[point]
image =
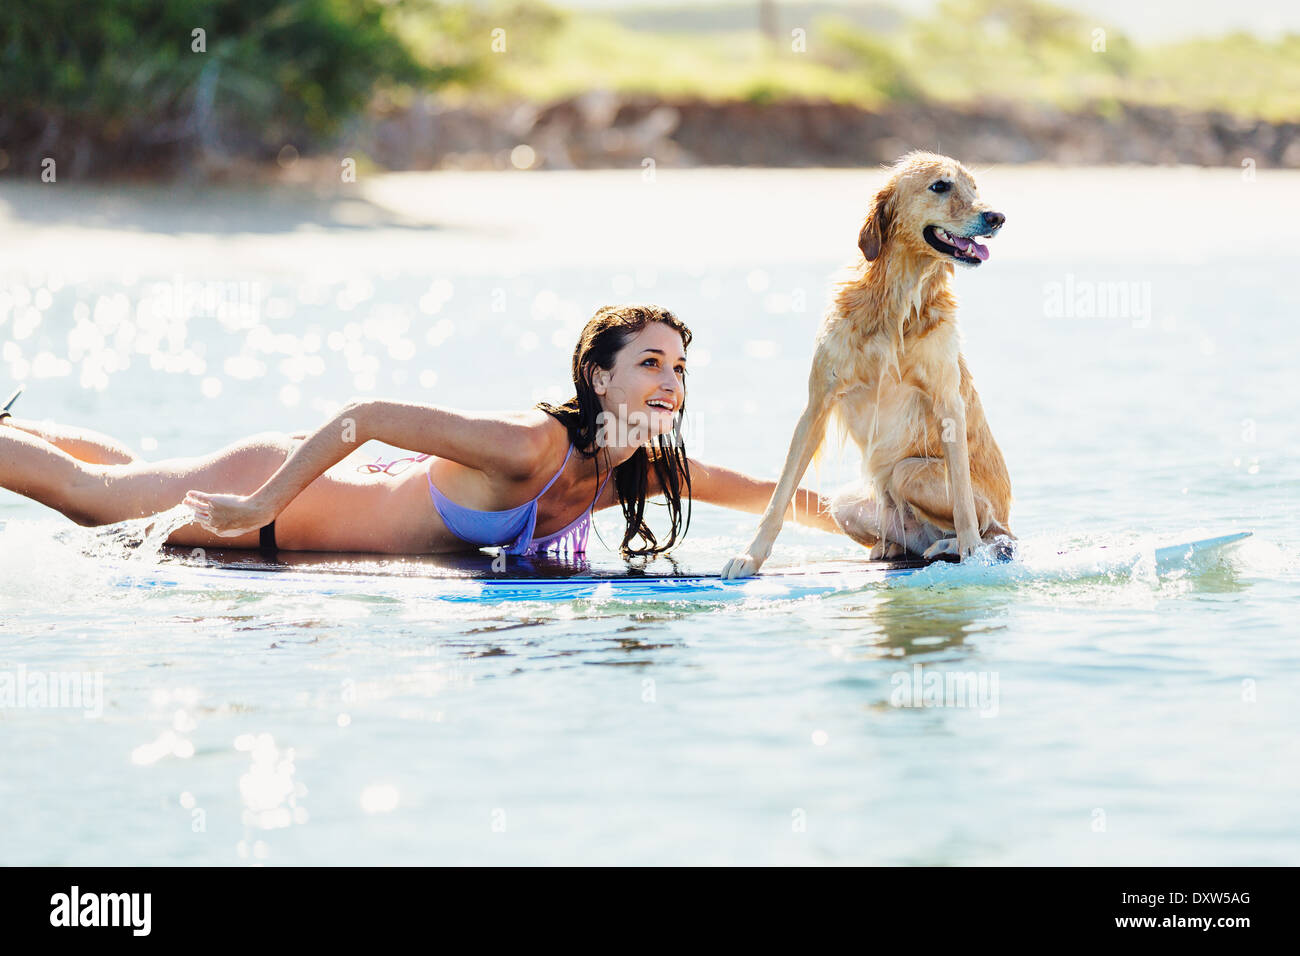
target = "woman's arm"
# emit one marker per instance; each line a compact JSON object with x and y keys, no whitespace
{"x":732,"y":489}
{"x":491,"y":444}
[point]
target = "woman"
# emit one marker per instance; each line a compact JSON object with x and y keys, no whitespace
{"x":511,"y":480}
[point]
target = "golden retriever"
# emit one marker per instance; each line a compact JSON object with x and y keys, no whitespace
{"x":888,"y":365}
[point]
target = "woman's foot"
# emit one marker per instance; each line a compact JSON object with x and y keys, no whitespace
{"x":81,"y":443}
{"x":5,"y":409}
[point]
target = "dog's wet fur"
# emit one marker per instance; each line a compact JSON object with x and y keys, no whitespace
{"x":888,"y":367}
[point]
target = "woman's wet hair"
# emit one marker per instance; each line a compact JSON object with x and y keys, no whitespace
{"x":604,"y":336}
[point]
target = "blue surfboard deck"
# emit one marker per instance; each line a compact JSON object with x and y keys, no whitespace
{"x":472,"y":578}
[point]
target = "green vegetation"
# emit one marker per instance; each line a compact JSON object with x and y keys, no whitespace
{"x":123,"y":75}
{"x":589,"y":52}
{"x":260,"y":70}
{"x":1238,"y":74}
{"x":964,"y":52}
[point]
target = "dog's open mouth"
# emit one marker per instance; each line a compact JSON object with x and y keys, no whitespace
{"x":961,"y":248}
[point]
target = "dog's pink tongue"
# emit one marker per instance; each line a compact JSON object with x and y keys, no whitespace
{"x":970,"y":245}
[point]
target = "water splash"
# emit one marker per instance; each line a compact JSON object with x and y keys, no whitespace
{"x":1117,"y":559}
{"x":45,"y":564}
{"x":140,"y":539}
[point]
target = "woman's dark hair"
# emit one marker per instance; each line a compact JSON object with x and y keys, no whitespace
{"x":602,"y":339}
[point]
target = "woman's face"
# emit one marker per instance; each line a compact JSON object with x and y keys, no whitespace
{"x":646,"y":387}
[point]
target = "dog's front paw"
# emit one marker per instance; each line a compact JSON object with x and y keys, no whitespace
{"x":742,"y":566}
{"x":968,"y":544}
{"x":960,"y":548}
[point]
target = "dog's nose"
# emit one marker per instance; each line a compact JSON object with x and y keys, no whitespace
{"x":994,"y":220}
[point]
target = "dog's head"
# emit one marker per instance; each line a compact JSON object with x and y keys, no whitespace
{"x":929,"y":208}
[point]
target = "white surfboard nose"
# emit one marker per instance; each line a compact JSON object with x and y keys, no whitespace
{"x":1174,"y":555}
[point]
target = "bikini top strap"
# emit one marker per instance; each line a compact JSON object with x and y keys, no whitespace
{"x":557,"y":474}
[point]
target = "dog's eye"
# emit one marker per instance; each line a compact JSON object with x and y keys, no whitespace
{"x":942,"y":186}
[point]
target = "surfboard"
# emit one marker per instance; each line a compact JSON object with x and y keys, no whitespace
{"x":480,"y":578}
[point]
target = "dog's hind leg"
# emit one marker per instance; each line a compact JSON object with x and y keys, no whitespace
{"x":889,"y":530}
{"x":923,"y":484}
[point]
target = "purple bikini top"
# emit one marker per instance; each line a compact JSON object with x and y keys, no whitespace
{"x":513,"y":528}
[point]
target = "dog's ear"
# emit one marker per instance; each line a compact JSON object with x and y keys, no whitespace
{"x":879,"y":219}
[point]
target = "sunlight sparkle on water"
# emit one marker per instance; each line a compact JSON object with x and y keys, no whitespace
{"x":379,"y":798}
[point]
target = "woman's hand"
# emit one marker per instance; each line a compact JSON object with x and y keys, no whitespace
{"x":227,"y":516}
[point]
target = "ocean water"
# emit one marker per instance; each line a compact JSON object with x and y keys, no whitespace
{"x":1136,"y":364}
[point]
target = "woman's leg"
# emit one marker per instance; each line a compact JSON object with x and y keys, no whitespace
{"x":96,"y":494}
{"x":89,"y":446}
{"x":339,"y":511}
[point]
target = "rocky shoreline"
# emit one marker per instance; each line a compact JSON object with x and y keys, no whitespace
{"x":605,"y":130}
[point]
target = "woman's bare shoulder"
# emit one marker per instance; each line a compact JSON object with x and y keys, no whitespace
{"x":519,"y":444}
{"x":542,"y":440}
